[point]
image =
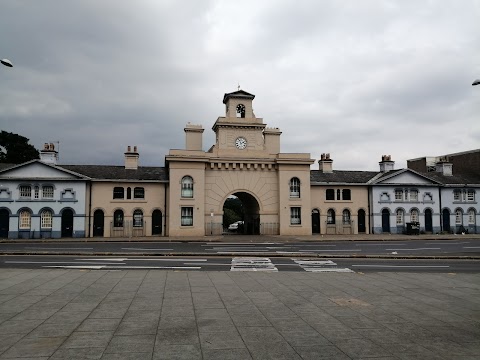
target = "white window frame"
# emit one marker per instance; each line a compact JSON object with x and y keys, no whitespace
{"x":346,"y":217}
{"x":25,"y":220}
{"x":398,"y":195}
{"x":47,"y":192}
{"x":414,"y":215}
{"x":457,"y":195}
{"x":138,"y":218}
{"x":470,"y":195}
{"x":413,"y":195}
{"x":295,"y":187}
{"x":400,"y":215}
{"x":295,"y":215}
{"x":137,"y":191}
{"x":331,"y":217}
{"x":46,"y":219}
{"x":458,"y":217}
{"x":186,"y":216}
{"x":25,"y":192}
{"x":471,"y":216}
{"x":187,"y":187}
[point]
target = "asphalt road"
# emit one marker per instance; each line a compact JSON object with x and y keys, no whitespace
{"x":461,"y":247}
{"x":240,"y":263}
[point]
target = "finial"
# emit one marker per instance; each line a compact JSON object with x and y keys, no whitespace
{"x":238,"y":86}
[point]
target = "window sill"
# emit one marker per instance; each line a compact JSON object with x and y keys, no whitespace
{"x":295,"y":225}
{"x":464,"y":202}
{"x":68,"y":201}
{"x":126,"y":201}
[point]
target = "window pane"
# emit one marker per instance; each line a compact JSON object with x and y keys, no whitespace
{"x":187,"y":187}
{"x":470,"y":195}
{"x":137,"y":218}
{"x":46,"y":219}
{"x":346,"y":194}
{"x":398,"y":195}
{"x":471,"y":216}
{"x":330,"y":194}
{"x":118,"y":218}
{"x":330,"y":216}
{"x":458,"y":217}
{"x":25,"y":192}
{"x":456,"y":195}
{"x":187,"y":216}
{"x":25,"y":220}
{"x":414,"y":216}
{"x":346,"y":217}
{"x":295,"y":217}
{"x":37,"y":192}
{"x":399,"y":217}
{"x":139,"y":193}
{"x":47,"y":192}
{"x":413,"y":195}
{"x":295,"y":188}
{"x":118,"y":193}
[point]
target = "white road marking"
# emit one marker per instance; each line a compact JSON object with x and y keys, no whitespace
{"x":244,"y":243}
{"x":403,"y":266}
{"x":126,"y":267}
{"x":354,"y":250}
{"x":53,"y":248}
{"x":471,"y":247}
{"x":242,"y":251}
{"x":252,"y":264}
{"x":341,"y":270}
{"x":58,"y":262}
{"x":312,"y":265}
{"x":147,"y":259}
{"x":381,"y":244}
{"x":93,"y":267}
{"x":413,"y":249}
{"x":147,"y":249}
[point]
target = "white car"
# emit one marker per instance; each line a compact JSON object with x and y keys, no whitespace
{"x":235,"y":225}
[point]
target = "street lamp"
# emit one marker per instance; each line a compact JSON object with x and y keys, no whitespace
{"x":6,"y":62}
{"x":476,"y":82}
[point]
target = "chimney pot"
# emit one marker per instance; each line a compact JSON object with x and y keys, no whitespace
{"x":135,"y":149}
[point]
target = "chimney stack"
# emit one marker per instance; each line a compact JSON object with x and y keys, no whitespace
{"x":131,"y":158}
{"x":325,"y":163}
{"x":49,"y":155}
{"x":386,"y":164}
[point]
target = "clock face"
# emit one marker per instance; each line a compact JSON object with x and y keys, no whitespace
{"x":241,"y":143}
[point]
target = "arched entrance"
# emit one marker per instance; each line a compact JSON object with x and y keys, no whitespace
{"x":361,"y":221}
{"x":250,"y":213}
{"x":4,"y":223}
{"x":428,"y":220}
{"x":385,"y":221}
{"x":67,"y":223}
{"x":156,"y":222}
{"x":315,"y":221}
{"x":98,"y":222}
{"x":446,"y":220}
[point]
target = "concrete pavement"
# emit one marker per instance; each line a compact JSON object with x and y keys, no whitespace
{"x":73,"y":314}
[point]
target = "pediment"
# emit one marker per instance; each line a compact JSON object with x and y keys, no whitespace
{"x":406,"y":176}
{"x":38,"y":170}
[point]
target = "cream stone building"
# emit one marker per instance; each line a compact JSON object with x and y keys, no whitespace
{"x":245,"y":162}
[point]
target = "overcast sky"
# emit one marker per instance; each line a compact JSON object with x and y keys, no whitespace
{"x":356,"y":79}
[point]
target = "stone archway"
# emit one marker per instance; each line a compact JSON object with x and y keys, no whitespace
{"x":251,"y":214}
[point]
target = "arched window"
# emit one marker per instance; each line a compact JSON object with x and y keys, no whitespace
{"x":25,"y":220}
{"x":187,"y":187}
{"x":240,"y":110}
{"x":346,"y":217}
{"x":414,"y":215}
{"x":138,"y":218}
{"x":400,"y":216}
{"x":295,"y":187}
{"x":471,"y":216}
{"x":118,"y":218}
{"x":118,"y":192}
{"x":331,"y":216}
{"x":46,"y":219}
{"x":458,"y":216}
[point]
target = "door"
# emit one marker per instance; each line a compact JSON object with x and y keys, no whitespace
{"x":428,"y":220}
{"x":385,"y":221}
{"x":98,"y":223}
{"x":4,"y":223}
{"x":315,"y":221}
{"x":156,"y":222}
{"x":67,"y":223}
{"x":361,"y":221}
{"x":446,"y":220}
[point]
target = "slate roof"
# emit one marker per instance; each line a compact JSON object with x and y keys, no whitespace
{"x":456,"y":179}
{"x":107,"y":172}
{"x":6,"y":166}
{"x":341,"y":176}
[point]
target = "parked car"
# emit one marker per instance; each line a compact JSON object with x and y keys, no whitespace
{"x":234,"y":226}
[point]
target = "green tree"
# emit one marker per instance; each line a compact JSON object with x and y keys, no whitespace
{"x":232,"y":211}
{"x":15,"y":149}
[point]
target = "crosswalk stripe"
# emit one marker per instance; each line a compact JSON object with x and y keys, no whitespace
{"x":252,"y":264}
{"x":312,"y":265}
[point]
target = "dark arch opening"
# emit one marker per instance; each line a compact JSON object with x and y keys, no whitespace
{"x":246,"y":209}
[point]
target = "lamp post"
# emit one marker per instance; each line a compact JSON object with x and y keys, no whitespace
{"x":476,"y":82}
{"x":6,"y":62}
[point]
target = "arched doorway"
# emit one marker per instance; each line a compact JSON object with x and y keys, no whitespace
{"x":385,"y":221}
{"x":250,"y":211}
{"x":315,"y":221}
{"x":98,"y":222}
{"x":361,"y":221}
{"x":156,"y":222}
{"x":4,"y":223}
{"x":428,"y":220}
{"x":67,"y":223}
{"x":446,"y":220}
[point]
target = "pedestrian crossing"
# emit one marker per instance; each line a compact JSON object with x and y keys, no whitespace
{"x":266,"y":264}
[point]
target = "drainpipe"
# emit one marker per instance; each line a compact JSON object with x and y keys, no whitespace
{"x":440,"y":208}
{"x":165,"y":211}
{"x":89,"y":208}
